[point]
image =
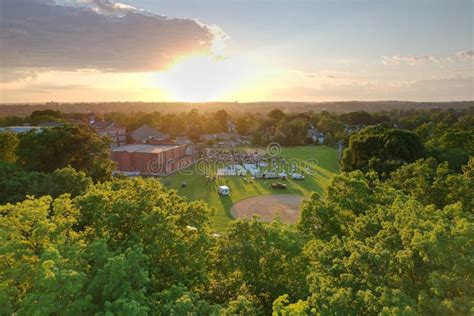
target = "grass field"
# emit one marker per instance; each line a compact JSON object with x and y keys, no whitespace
{"x":324,"y":164}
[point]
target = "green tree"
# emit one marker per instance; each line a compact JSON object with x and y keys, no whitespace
{"x":356,"y":118}
{"x":59,"y":147}
{"x":174,"y":233}
{"x":283,"y":307}
{"x":432,"y":183}
{"x":379,"y":149}
{"x":68,"y":180}
{"x":39,"y":249}
{"x":241,"y":306}
{"x":178,"y":300}
{"x":453,"y":145}
{"x":12,"y":121}
{"x":329,"y":125}
{"x":118,"y":280}
{"x":16,"y":183}
{"x":389,"y":253}
{"x":8,"y":145}
{"x":221,"y":118}
{"x":245,"y":125}
{"x":121,"y":248}
{"x":258,"y":261}
{"x":51,"y":113}
{"x":276,"y":114}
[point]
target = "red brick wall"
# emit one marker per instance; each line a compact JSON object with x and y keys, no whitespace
{"x":165,"y":162}
{"x":122,"y":158}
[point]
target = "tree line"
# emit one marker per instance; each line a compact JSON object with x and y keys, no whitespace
{"x":287,"y":128}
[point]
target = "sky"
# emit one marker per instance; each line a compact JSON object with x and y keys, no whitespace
{"x":236,"y":50}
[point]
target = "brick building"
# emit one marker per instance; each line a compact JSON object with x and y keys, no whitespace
{"x":116,"y":134}
{"x":152,"y":159}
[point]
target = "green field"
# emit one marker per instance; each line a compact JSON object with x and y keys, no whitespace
{"x":323,"y":165}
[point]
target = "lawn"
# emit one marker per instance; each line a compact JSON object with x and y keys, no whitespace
{"x":323,"y":164}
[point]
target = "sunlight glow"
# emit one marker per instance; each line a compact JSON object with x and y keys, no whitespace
{"x":202,"y":78}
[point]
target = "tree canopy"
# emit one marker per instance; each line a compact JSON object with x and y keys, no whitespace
{"x":58,"y":147}
{"x":8,"y":145}
{"x":382,"y":150}
{"x":132,"y":247}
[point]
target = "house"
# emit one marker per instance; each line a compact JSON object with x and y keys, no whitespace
{"x":316,"y":135}
{"x":116,"y":134}
{"x":146,"y":132}
{"x":151,"y":159}
{"x":349,"y":129}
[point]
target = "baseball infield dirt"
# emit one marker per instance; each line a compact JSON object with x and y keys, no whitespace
{"x":268,"y":207}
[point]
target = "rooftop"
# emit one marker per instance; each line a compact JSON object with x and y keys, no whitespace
{"x":146,"y":132}
{"x":21,"y":129}
{"x":145,"y":148}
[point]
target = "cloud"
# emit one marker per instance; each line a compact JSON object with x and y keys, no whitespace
{"x":411,"y":60}
{"x":321,"y":76}
{"x":466,"y":54}
{"x":95,"y":34}
{"x":13,"y":75}
{"x":431,"y":89}
{"x":50,"y":88}
{"x":415,"y":60}
{"x":324,"y":74}
{"x":110,"y":6}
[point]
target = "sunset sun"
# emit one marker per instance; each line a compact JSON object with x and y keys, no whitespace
{"x":202,"y":78}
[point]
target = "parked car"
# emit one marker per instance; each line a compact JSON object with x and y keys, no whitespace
{"x":297,"y":176}
{"x":278,"y":185}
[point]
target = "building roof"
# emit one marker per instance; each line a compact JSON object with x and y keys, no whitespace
{"x":145,"y":148}
{"x":146,"y":132}
{"x":101,"y":124}
{"x":21,"y":129}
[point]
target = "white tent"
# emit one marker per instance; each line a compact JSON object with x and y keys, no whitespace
{"x":224,"y":190}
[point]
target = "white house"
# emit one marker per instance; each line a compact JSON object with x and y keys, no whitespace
{"x":316,"y":135}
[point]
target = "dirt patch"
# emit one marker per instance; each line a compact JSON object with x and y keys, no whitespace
{"x":287,"y":206}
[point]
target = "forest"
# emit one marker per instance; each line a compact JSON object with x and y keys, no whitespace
{"x":24,"y":109}
{"x":393,"y":233}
